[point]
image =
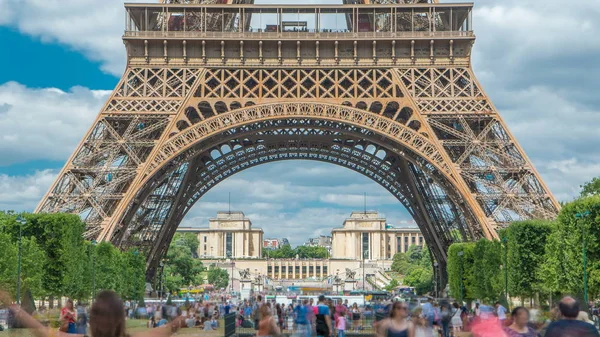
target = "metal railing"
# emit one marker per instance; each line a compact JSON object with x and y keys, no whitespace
{"x":230,"y":324}
{"x":299,"y":35}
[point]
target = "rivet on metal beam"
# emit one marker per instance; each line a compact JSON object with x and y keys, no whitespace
{"x":165,"y":51}
{"x":317,"y":51}
{"x":242,"y":51}
{"x":375,"y":51}
{"x":431,"y":50}
{"x":337,"y":53}
{"x":260,"y":51}
{"x":223,"y":51}
{"x":146,"y":51}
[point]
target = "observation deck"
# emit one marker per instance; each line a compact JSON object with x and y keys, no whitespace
{"x":255,"y":34}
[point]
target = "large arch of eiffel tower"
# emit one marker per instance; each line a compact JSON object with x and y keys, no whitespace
{"x":213,"y":87}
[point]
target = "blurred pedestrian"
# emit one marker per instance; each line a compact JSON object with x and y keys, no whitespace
{"x":107,"y":319}
{"x":67,"y":318}
{"x":519,"y":328}
{"x":569,"y":326}
{"x":397,"y":325}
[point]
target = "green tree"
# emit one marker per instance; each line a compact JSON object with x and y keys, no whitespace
{"x":182,"y":264}
{"x":456,"y":264}
{"x":414,"y":253}
{"x":421,"y":278}
{"x":135,"y":275}
{"x":218,"y":277}
{"x":311,"y":252}
{"x":32,"y":262}
{"x":60,"y":238}
{"x":401,"y":264}
{"x":415,"y":256}
{"x":173,"y":280}
{"x":32,"y":267}
{"x":283,"y":252}
{"x":526,"y":242}
{"x":425,"y":260}
{"x":188,"y":240}
{"x":8,"y":264}
{"x":591,"y":187}
{"x":562,"y":269}
{"x":109,"y":268}
{"x":392,"y":285}
{"x":488,"y":281}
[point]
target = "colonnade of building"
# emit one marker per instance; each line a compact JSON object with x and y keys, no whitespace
{"x":365,"y":237}
{"x":297,"y":269}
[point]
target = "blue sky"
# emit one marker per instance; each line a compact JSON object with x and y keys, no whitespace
{"x":62,"y":58}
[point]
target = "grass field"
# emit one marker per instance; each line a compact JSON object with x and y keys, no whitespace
{"x":133,"y":326}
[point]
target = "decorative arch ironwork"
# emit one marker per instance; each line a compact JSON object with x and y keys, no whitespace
{"x":429,"y":196}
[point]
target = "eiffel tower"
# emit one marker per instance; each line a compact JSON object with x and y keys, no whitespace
{"x":213,"y":87}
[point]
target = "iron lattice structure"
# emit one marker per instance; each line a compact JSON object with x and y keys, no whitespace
{"x":390,"y":95}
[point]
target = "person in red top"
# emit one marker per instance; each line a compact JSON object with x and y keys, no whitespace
{"x":67,"y":318}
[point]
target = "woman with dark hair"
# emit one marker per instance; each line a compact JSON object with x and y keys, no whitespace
{"x":519,"y":328}
{"x":67,"y":318}
{"x":456,"y":320}
{"x":397,"y":325}
{"x":280,"y":317}
{"x":355,"y":316}
{"x":107,"y":319}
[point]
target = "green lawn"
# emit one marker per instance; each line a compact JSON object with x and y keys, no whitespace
{"x":133,"y":326}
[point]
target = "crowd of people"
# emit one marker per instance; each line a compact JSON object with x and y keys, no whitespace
{"x":430,"y":319}
{"x":325,"y":318}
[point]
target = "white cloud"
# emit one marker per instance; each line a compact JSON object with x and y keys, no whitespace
{"x":90,"y":26}
{"x":537,"y":64}
{"x":565,"y":177}
{"x":297,"y":199}
{"x":358,"y":200}
{"x":93,"y":27}
{"x":23,"y":193}
{"x":44,"y":123}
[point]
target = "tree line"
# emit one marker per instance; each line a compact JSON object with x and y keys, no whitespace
{"x":415,"y":267}
{"x":543,"y":259}
{"x":56,"y":261}
{"x":302,"y":252}
{"x":182,"y":268}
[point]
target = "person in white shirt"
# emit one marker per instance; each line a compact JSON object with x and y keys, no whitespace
{"x":501,"y":312}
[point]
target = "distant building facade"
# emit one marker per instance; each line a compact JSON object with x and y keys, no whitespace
{"x":271,"y":243}
{"x":365,"y":242}
{"x":230,"y":234}
{"x":321,"y":241}
{"x":366,"y":235}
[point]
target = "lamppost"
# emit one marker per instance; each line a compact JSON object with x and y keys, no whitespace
{"x":21,"y":221}
{"x":162,"y":274}
{"x":579,"y":216}
{"x":436,"y":272}
{"x":363,"y":272}
{"x":460,"y":256}
{"x":93,"y":270}
{"x":505,"y":243}
{"x":231,"y":258}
